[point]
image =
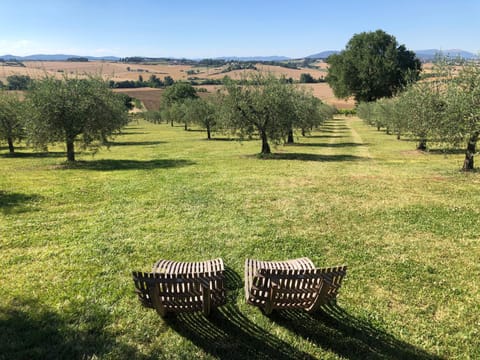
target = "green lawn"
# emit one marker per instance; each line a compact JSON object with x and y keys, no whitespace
{"x":407,"y":224}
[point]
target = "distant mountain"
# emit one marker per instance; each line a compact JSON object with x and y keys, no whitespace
{"x":253,"y":58}
{"x":323,"y":54}
{"x":424,"y":55}
{"x":56,"y":57}
{"x":430,"y":54}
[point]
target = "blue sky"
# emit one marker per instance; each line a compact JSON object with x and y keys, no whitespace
{"x":197,"y":29}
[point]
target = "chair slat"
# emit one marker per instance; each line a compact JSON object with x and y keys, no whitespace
{"x":291,"y":284}
{"x":182,"y":287}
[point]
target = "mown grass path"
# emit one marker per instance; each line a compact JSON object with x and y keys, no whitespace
{"x":406,"y":224}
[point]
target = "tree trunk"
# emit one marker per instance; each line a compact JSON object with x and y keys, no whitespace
{"x":422,"y":145}
{"x":304,"y":132}
{"x":171,"y":123}
{"x":468,"y":164}
{"x":398,"y":135}
{"x":10,"y":145}
{"x":290,"y":137}
{"x":209,"y":136}
{"x":265,"y":146}
{"x":186,"y":126}
{"x":70,"y":150}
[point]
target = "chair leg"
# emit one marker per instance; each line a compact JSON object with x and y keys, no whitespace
{"x":206,"y":300}
{"x":154,"y":293}
{"x":269,"y":302}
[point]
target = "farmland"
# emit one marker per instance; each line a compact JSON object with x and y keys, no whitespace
{"x":120,"y":72}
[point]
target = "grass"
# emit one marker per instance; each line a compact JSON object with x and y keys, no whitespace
{"x":406,"y":223}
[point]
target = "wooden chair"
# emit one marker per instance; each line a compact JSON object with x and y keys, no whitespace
{"x":291,"y":284}
{"x":174,"y":286}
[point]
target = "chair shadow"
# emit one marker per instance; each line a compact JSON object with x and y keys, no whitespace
{"x":334,"y":329}
{"x":15,"y":202}
{"x":30,"y":330}
{"x":228,"y":334}
{"x":111,"y":165}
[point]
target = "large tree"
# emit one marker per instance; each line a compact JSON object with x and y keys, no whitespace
{"x":72,"y":109}
{"x":371,"y":67}
{"x":11,"y":126}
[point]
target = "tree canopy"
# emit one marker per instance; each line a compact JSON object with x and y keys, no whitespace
{"x":72,"y":109}
{"x":11,"y":125}
{"x":371,"y":67}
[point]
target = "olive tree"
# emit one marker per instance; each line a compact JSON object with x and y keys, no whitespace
{"x":11,"y":124}
{"x":269,"y":107}
{"x":173,"y":97}
{"x":462,"y":123}
{"x":73,"y":109}
{"x":202,"y":112}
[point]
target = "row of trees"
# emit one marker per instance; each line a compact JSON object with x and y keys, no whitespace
{"x":445,"y":110}
{"x":71,"y":111}
{"x":263,"y":105}
{"x":382,"y":77}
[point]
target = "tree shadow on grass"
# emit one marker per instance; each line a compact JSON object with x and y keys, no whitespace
{"x":14,"y":203}
{"x":326,"y":145}
{"x":228,"y":334}
{"x":447,"y":151}
{"x":336,"y":330}
{"x":33,"y":155}
{"x":31,"y":331}
{"x":328,"y":131}
{"x":325,"y":136}
{"x":132,"y":133}
{"x":111,"y":165}
{"x":312,"y":157}
{"x":135,"y":143}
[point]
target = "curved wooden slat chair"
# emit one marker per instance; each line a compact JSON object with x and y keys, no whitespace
{"x":175,"y":286}
{"x":291,"y":284}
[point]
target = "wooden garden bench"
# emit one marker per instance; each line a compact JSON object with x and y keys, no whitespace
{"x":291,"y":284}
{"x":175,"y":286}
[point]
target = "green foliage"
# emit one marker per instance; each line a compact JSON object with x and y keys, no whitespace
{"x":202,"y":112}
{"x":372,"y":66}
{"x":168,"y":80}
{"x":178,"y":93}
{"x":70,"y":110}
{"x":11,"y":118}
{"x":306,"y":78}
{"x":268,"y":106}
{"x":19,"y":82}
{"x":153,"y":116}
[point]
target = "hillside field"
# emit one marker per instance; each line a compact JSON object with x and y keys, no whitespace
{"x":118,"y":72}
{"x":405,"y":222}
